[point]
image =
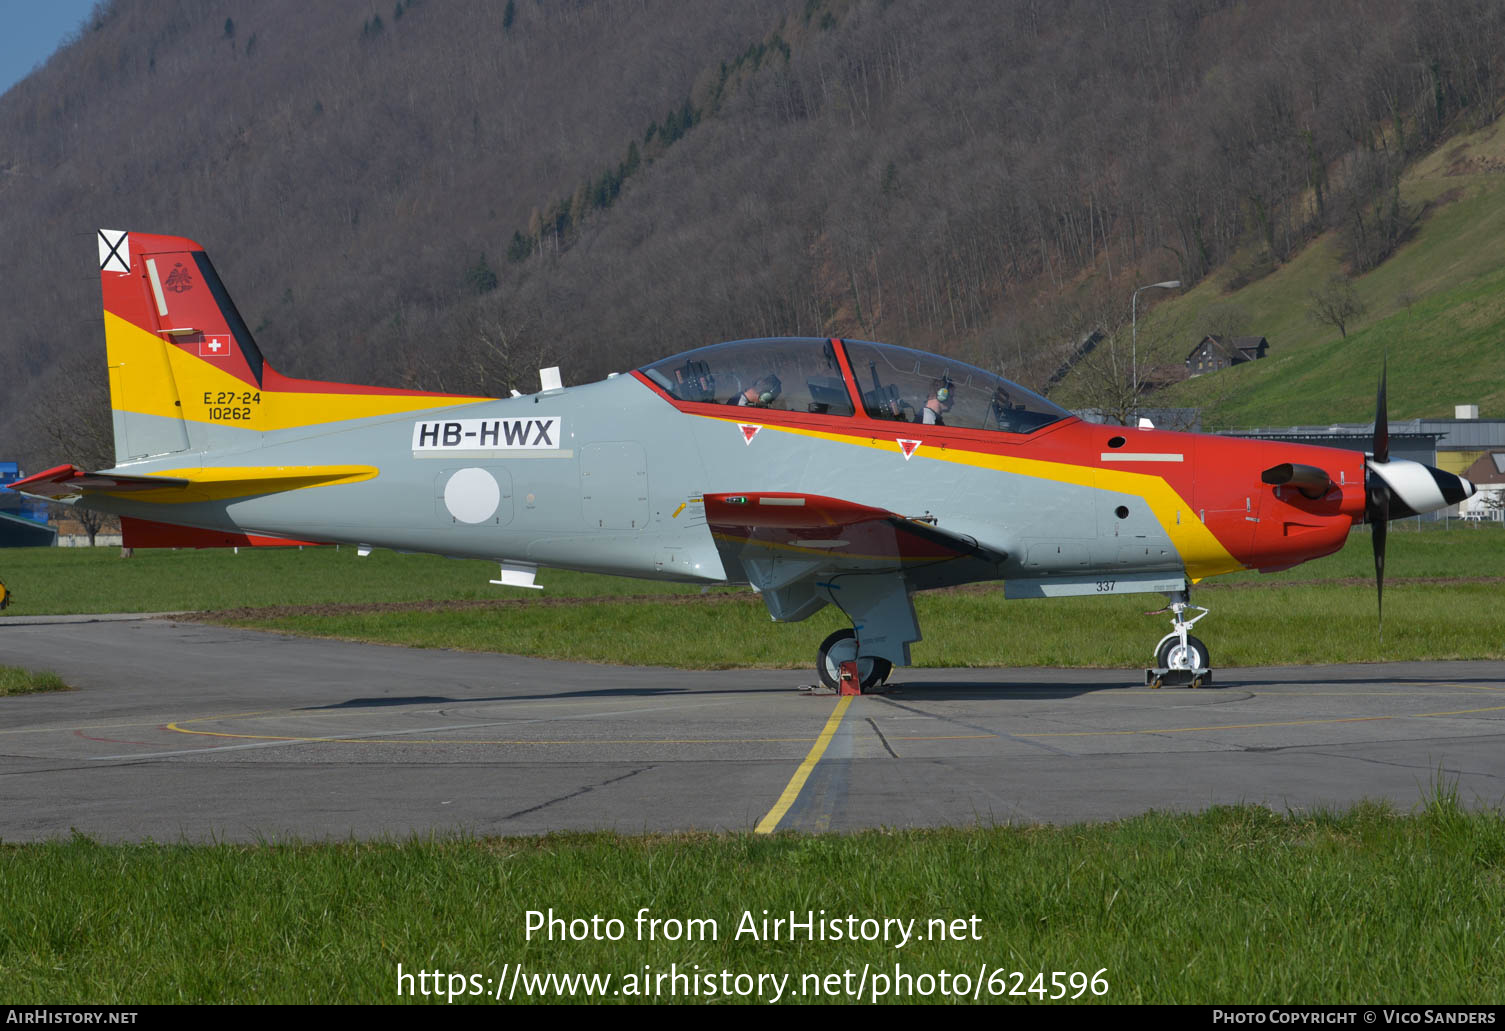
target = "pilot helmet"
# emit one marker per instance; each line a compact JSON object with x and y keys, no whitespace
{"x":769,"y":388}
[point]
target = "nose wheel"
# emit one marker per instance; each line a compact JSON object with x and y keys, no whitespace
{"x":1181,"y":658}
{"x":1172,"y":654}
{"x":842,"y":647}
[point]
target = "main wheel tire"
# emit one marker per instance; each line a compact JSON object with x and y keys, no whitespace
{"x":1171,"y":655}
{"x":842,"y":647}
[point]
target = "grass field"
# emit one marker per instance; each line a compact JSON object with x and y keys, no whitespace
{"x":1232,"y":904}
{"x":70,"y":580}
{"x":1442,"y":602}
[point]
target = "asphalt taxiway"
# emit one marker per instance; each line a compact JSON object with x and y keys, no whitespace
{"x":182,"y":731}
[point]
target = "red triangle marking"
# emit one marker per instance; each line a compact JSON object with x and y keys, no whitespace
{"x":908,"y":447}
{"x":748,"y":431}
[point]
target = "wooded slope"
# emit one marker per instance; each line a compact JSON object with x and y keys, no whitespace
{"x":449,"y":193}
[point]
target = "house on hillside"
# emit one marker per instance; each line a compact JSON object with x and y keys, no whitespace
{"x":1215,"y":352}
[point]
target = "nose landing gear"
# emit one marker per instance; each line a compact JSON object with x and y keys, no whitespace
{"x":1181,"y":658}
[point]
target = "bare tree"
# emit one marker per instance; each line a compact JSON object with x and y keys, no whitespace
{"x":1336,"y":304}
{"x":77,"y":420}
{"x":1223,"y":319}
{"x":1098,"y":372}
{"x":489,"y":350}
{"x":1102,"y":380}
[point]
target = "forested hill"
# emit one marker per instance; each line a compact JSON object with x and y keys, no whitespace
{"x":449,"y":193}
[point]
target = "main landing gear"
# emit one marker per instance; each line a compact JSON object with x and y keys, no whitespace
{"x":1181,"y":658}
{"x":841,"y":647}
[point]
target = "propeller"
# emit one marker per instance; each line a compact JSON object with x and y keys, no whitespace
{"x":1377,"y":497}
{"x":1398,"y":489}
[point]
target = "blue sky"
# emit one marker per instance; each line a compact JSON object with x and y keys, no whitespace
{"x":30,"y":30}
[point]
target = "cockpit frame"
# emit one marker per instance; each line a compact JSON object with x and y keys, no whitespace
{"x":811,"y":381}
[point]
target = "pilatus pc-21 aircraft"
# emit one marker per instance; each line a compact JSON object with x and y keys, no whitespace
{"x":820,"y":471}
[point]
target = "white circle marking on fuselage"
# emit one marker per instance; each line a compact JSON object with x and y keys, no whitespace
{"x":471,"y":495}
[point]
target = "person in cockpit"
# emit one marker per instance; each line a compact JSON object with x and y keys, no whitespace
{"x":940,"y":402}
{"x":761,"y":394}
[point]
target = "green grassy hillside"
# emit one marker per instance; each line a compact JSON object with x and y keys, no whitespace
{"x":1436,"y":308}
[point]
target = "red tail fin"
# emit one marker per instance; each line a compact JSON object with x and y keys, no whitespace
{"x":185,"y":372}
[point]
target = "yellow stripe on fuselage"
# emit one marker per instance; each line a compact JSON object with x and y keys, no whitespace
{"x":149,"y":376}
{"x":1201,"y":552}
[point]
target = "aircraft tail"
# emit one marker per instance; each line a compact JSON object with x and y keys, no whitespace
{"x":186,"y":374}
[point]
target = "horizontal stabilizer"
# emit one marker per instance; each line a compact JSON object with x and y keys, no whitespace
{"x":66,"y":481}
{"x":210,"y":484}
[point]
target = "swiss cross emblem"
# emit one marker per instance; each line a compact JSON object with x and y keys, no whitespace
{"x":178,"y":280}
{"x":908,"y":447}
{"x":214,"y":345}
{"x":748,"y":432}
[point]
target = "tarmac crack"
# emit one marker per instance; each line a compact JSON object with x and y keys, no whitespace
{"x":973,"y":726}
{"x":1438,"y":768}
{"x":881,"y":738}
{"x":587,"y":789}
{"x":53,"y":769}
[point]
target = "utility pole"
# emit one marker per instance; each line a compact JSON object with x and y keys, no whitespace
{"x":1170,"y":284}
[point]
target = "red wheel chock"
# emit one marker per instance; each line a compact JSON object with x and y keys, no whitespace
{"x":851,"y":683}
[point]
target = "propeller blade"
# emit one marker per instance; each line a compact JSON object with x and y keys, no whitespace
{"x":1379,"y":523}
{"x":1377,"y":507}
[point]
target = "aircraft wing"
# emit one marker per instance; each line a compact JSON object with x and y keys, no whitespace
{"x":66,"y":482}
{"x":788,"y":544}
{"x":850,"y":533}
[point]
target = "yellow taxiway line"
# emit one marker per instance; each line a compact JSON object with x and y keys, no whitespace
{"x":797,"y":782}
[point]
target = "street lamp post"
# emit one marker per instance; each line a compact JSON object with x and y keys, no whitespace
{"x":1170,"y":284}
